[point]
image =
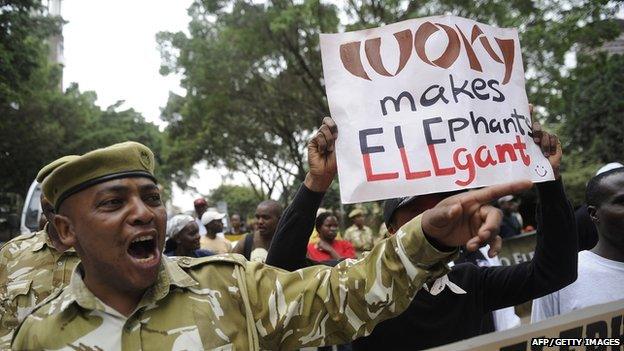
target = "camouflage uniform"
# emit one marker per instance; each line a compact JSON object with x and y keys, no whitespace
{"x":362,"y":239}
{"x":226,"y":303}
{"x":30,"y":270}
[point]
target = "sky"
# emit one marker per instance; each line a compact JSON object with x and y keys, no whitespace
{"x":110,"y":48}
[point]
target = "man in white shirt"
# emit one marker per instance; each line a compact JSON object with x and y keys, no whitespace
{"x":601,"y":269}
{"x":201,"y":206}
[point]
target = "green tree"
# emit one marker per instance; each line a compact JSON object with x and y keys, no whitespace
{"x":40,"y":122}
{"x":240,"y":199}
{"x":253,"y":74}
{"x":593,"y":107}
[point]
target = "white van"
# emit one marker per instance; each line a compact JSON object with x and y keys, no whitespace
{"x":31,"y":213}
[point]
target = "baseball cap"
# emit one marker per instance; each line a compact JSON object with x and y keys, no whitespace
{"x":210,"y":216}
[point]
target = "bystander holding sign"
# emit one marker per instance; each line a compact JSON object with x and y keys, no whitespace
{"x":429,"y":105}
{"x":593,"y":328}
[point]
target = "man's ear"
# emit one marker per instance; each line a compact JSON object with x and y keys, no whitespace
{"x":593,"y":214}
{"x":65,"y":230}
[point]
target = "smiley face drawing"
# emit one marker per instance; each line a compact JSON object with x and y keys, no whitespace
{"x":540,"y":170}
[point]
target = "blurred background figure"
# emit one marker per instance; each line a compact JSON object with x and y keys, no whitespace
{"x":328,"y":247}
{"x":255,"y":246}
{"x":236,"y":231}
{"x":512,"y":221}
{"x":200,"y":207}
{"x":212,"y":221}
{"x":359,"y":235}
{"x":183,"y":237}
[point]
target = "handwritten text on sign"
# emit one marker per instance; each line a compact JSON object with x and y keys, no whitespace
{"x":429,"y":105}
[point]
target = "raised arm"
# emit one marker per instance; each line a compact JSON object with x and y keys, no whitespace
{"x":554,"y":264}
{"x":289,"y":245}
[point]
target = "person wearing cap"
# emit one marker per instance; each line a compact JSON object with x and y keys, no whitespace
{"x":458,"y":305}
{"x":183,"y":237}
{"x":601,"y":269}
{"x":358,"y":234}
{"x":200,"y":206}
{"x":212,"y":221}
{"x":125,"y":295}
{"x":254,"y":246}
{"x":32,"y":266}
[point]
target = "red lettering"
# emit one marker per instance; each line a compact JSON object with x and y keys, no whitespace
{"x":370,"y":176}
{"x":468,"y":165}
{"x":436,"y":166}
{"x":502,"y":149}
{"x":488,"y":161}
{"x":520,"y":146}
{"x":408,"y":172}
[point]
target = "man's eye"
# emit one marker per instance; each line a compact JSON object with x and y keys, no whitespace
{"x":111,"y":203}
{"x":154,"y":199}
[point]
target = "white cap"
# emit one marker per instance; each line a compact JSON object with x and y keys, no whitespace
{"x":609,"y":166}
{"x":176,"y":223}
{"x":210,"y":216}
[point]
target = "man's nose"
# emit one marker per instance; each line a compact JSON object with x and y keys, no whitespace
{"x":141,"y":213}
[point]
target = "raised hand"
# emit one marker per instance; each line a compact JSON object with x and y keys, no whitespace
{"x":549,"y":143}
{"x":322,"y":157}
{"x":468,"y":219}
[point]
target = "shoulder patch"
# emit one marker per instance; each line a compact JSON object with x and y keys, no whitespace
{"x":189,"y":262}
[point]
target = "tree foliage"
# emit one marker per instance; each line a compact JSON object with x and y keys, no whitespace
{"x":240,"y":199}
{"x":253,"y":76}
{"x":39,"y":122}
{"x":594,"y":110}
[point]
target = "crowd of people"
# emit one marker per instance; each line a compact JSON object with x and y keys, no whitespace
{"x":111,"y":270}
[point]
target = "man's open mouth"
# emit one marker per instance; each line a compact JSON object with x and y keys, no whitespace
{"x":143,"y":248}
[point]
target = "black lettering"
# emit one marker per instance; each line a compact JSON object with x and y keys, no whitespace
{"x":518,"y":117}
{"x":507,"y":122}
{"x":398,"y":136}
{"x":462,"y":90}
{"x":616,"y":331}
{"x":476,"y":89}
{"x":597,"y":330}
{"x":426,"y":124}
{"x":495,"y":126}
{"x":475,"y":123}
{"x":452,"y":129}
{"x":364,"y":148}
{"x":397,"y":102}
{"x":500,"y":96}
{"x":424,"y":101}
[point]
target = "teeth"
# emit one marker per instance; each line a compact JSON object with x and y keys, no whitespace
{"x":148,"y":258}
{"x":142,"y":238}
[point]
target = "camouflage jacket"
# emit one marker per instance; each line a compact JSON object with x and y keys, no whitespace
{"x":30,"y":270}
{"x":226,"y":303}
{"x":362,"y":239}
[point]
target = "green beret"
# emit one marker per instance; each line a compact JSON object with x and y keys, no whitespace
{"x":47,"y":169}
{"x":76,"y":173}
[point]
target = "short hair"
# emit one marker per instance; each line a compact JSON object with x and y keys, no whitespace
{"x":274,"y":205}
{"x":320,"y":219}
{"x":595,"y":193}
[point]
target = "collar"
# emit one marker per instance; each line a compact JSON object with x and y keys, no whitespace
{"x":43,"y":240}
{"x":169,"y":274}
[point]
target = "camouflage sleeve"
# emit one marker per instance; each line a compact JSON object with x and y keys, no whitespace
{"x":324,"y":305}
{"x":7,"y":312}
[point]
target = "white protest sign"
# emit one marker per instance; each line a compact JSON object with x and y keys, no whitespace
{"x":429,"y":105}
